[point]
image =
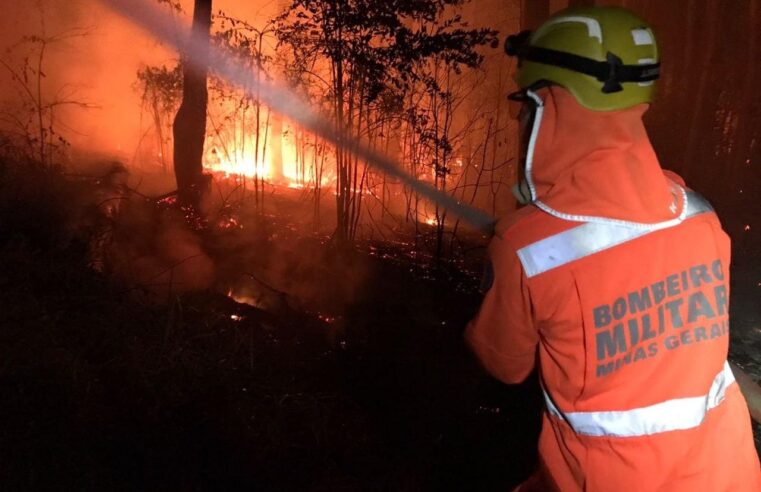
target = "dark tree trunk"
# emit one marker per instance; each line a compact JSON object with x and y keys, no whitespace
{"x":190,"y":122}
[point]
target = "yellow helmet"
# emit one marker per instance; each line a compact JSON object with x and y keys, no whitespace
{"x":607,"y":57}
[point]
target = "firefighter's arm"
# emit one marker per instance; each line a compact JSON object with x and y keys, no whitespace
{"x":750,"y":390}
{"x":503,"y":335}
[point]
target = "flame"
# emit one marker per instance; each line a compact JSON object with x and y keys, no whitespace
{"x":242,"y":299}
{"x":232,"y":166}
{"x":429,"y":218}
{"x":244,"y":161}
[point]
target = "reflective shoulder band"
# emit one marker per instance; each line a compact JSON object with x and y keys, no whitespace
{"x":670,"y":415}
{"x":589,"y":238}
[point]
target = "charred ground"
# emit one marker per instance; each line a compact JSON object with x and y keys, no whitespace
{"x":366,"y":387}
{"x":102,"y":389}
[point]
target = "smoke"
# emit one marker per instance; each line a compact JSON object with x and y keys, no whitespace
{"x":296,"y":272}
{"x":88,"y":71}
{"x":289,"y":105}
{"x":95,"y":63}
{"x":150,"y":247}
{"x":98,"y":66}
{"x":175,"y":263}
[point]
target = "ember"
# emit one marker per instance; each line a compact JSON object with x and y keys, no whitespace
{"x":327,"y":319}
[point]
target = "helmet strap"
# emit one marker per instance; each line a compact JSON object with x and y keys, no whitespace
{"x":612,"y":72}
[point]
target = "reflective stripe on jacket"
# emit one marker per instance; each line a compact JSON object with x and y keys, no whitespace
{"x":670,"y":415}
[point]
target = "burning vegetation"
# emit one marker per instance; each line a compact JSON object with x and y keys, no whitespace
{"x":407,"y":94}
{"x":202,"y":291}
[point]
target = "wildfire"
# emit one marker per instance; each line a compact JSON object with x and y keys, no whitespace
{"x":241,"y":299}
{"x":293,"y":166}
{"x":428,"y":218}
{"x":241,"y":166}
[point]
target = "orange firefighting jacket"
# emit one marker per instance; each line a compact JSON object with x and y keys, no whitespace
{"x":616,"y":279}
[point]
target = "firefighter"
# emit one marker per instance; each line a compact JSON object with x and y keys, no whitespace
{"x":613,"y":280}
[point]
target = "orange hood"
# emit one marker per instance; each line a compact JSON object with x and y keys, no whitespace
{"x":589,"y":165}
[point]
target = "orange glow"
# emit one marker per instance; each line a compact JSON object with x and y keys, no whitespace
{"x":216,"y":162}
{"x":297,"y":171}
{"x":242,"y":299}
{"x":427,"y":218}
